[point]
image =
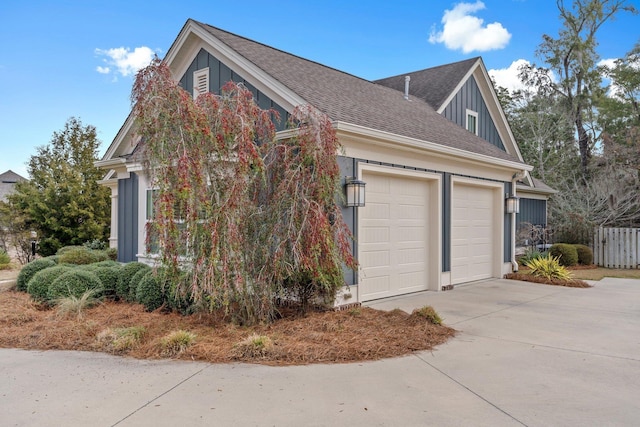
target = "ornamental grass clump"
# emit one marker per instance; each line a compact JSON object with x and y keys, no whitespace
{"x":176,"y":342}
{"x":429,"y":314}
{"x":119,"y":340}
{"x":254,"y":346}
{"x":548,"y":267}
{"x":73,"y":305}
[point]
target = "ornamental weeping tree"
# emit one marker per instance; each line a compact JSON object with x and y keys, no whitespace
{"x":240,"y":218}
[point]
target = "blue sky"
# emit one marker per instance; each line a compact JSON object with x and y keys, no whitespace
{"x":74,"y":58}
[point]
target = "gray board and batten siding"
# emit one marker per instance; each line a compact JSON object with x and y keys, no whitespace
{"x":470,"y":97}
{"x":128,"y":218}
{"x":220,"y":74}
{"x":532,"y":211}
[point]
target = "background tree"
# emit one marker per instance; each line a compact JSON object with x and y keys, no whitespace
{"x":572,"y":58}
{"x":62,"y":201}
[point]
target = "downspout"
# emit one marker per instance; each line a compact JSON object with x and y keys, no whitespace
{"x":516,"y":177}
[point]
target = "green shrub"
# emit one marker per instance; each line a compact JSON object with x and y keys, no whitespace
{"x":95,"y":244}
{"x":149,"y":291}
{"x":38,"y":286}
{"x":54,"y":258}
{"x":66,"y":249}
{"x":135,"y":281}
{"x":81,"y":256}
{"x":5,"y":259}
{"x":566,"y":254}
{"x":549,"y":267}
{"x":112,"y":253}
{"x":29,"y":270}
{"x":125,"y":274}
{"x":176,"y":297}
{"x":74,"y":283}
{"x":109,"y":278}
{"x":585,"y":254}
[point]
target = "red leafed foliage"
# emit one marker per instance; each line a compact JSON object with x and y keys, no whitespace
{"x":241,"y":218}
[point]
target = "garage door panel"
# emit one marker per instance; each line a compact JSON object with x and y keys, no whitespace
{"x":394,"y":221}
{"x":472,"y":233}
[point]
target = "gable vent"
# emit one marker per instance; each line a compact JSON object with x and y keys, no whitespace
{"x":200,"y":82}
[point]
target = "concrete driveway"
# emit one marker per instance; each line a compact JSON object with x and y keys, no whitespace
{"x":526,"y":354}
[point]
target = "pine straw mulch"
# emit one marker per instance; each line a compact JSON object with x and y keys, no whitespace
{"x":352,"y":335}
{"x":571,"y":283}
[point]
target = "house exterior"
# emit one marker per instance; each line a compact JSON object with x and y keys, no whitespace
{"x":8,"y":180}
{"x":435,"y":191}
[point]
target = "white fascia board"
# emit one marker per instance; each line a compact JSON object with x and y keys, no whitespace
{"x":263,"y":81}
{"x":124,"y":131}
{"x":378,"y":137}
{"x":110,"y":163}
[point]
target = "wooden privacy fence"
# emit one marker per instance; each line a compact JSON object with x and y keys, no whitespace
{"x":616,"y":247}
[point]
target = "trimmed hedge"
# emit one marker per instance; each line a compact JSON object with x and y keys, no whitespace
{"x":29,"y":270}
{"x":109,"y":278}
{"x":135,"y":281}
{"x":82,"y":255}
{"x":125,"y":275}
{"x":38,"y":286}
{"x":149,"y":291}
{"x":585,"y":254}
{"x":73,"y":283}
{"x":567,"y":254}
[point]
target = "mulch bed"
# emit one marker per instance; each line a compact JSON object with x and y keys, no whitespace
{"x":572,"y":283}
{"x":352,"y":335}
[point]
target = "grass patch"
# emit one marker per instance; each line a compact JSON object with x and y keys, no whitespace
{"x":598,"y":273}
{"x":254,"y":346}
{"x":429,"y":314}
{"x":176,"y":342}
{"x":120,"y":340}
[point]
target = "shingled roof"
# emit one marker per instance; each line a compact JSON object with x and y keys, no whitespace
{"x":350,"y":99}
{"x":434,"y":85}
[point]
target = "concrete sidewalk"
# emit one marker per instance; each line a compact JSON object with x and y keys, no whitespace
{"x":526,"y":354}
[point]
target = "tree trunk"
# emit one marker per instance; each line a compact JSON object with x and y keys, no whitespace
{"x":584,"y":146}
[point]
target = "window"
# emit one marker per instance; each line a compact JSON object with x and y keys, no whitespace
{"x":472,"y":122}
{"x":200,"y":82}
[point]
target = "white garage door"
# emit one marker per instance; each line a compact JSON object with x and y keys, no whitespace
{"x":392,"y":241}
{"x":472,"y":233}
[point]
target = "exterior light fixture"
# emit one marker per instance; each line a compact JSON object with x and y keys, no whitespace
{"x":512,"y":204}
{"x":355,"y":192}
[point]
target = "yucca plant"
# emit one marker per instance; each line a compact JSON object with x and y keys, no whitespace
{"x":548,"y":267}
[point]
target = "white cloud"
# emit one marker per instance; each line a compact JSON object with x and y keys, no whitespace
{"x":125,"y":61}
{"x":461,"y":30}
{"x":508,"y":77}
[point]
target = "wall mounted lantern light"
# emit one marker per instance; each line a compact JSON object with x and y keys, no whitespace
{"x":512,"y":204}
{"x":355,"y":192}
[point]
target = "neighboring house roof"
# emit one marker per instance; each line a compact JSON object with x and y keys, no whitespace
{"x":537,"y":187}
{"x":434,"y":85}
{"x":8,"y":180}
